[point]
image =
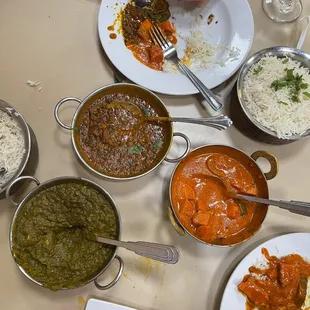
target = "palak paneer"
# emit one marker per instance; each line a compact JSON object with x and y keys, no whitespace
{"x":54,"y":235}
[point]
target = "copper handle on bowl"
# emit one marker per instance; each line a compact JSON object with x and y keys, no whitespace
{"x":8,"y":190}
{"x":57,"y":107}
{"x":115,"y":280}
{"x":177,"y":227}
{"x":274,"y":167}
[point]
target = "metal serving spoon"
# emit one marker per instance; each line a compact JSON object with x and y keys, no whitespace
{"x":298,"y":207}
{"x":160,"y":252}
{"x":219,"y":122}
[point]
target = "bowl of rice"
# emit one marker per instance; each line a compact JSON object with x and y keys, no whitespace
{"x":273,"y":89}
{"x":18,"y":147}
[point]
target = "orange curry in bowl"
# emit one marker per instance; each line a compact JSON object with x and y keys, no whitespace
{"x":203,"y":206}
{"x":136,"y":25}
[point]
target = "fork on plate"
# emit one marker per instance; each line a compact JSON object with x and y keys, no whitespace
{"x":159,"y":38}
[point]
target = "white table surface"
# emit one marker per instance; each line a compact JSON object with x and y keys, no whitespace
{"x":56,"y":42}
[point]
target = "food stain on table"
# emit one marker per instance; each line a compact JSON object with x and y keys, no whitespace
{"x":82,"y":302}
{"x":126,"y":276}
{"x":146,"y":266}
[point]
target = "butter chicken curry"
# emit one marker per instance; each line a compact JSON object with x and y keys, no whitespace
{"x":202,"y":204}
{"x":282,"y":285}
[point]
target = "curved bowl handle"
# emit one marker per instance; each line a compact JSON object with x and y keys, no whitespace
{"x":179,"y":229}
{"x":8,"y":190}
{"x":274,"y":167}
{"x":57,"y":107}
{"x":115,"y":280}
{"x":188,"y":147}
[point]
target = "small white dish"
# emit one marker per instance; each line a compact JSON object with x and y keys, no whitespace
{"x":96,"y":304}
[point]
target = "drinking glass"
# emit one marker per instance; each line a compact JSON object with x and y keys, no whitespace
{"x":283,"y":11}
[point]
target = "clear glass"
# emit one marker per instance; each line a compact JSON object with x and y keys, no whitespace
{"x":283,"y":11}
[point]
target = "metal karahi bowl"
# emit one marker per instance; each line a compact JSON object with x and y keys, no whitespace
{"x":251,"y":125}
{"x":261,"y":179}
{"x":63,"y":180}
{"x":127,"y":89}
{"x":30,"y":158}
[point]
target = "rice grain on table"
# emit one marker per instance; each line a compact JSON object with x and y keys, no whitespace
{"x":275,"y":110}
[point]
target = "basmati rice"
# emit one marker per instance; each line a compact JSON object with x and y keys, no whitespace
{"x":275,"y":110}
{"x":12,"y":147}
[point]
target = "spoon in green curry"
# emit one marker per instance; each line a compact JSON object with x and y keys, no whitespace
{"x":160,"y":252}
{"x":219,"y":122}
{"x":298,"y":207}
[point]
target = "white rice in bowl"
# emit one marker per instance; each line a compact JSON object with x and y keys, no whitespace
{"x":282,"y":110}
{"x":12,"y":147}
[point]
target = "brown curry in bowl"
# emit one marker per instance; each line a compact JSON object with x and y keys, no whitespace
{"x":204,"y":209}
{"x":114,"y":141}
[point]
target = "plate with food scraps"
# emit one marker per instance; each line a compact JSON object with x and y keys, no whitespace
{"x":213,"y":41}
{"x":275,"y":275}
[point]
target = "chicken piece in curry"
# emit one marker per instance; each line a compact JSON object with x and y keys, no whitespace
{"x":202,"y":204}
{"x":136,"y":26}
{"x":282,"y":285}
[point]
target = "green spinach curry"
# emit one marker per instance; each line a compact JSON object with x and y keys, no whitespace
{"x":53,"y":235}
{"x":114,"y":141}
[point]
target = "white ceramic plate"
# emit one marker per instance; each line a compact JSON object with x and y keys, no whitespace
{"x":234,"y":30}
{"x":297,"y":243}
{"x":96,"y":304}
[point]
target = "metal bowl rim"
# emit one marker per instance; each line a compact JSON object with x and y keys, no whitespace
{"x":27,"y":138}
{"x":272,"y":51}
{"x":176,"y":217}
{"x":34,"y":191}
{"x":76,"y":114}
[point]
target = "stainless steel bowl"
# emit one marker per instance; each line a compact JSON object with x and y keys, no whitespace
{"x":259,"y":131}
{"x":63,"y":180}
{"x":30,"y":159}
{"x":128,"y":89}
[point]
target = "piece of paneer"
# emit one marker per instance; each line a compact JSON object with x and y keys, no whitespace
{"x":187,"y":208}
{"x":156,"y":57}
{"x":167,"y":26}
{"x":199,"y":219}
{"x":288,"y":274}
{"x":201,"y":206}
{"x":186,"y":191}
{"x":144,"y":30}
{"x":233,"y":209}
